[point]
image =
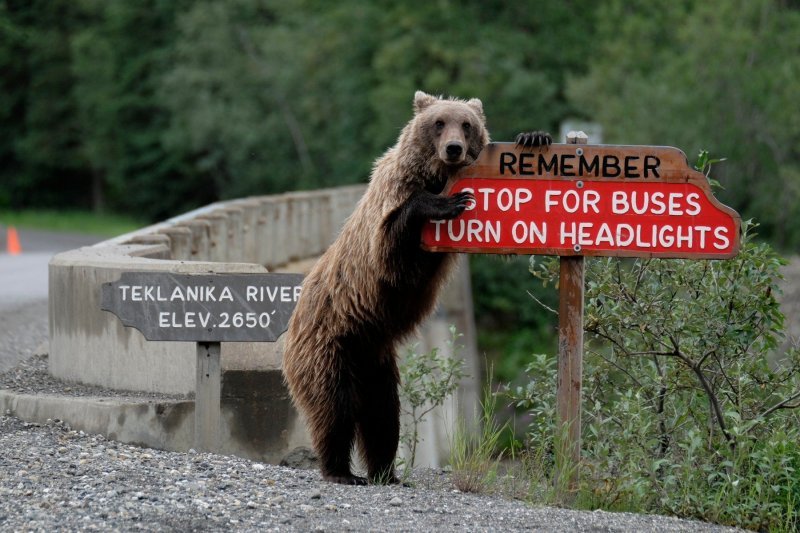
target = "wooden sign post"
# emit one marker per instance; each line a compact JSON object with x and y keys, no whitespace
{"x":207,"y":309}
{"x":575,"y":200}
{"x":570,"y":364}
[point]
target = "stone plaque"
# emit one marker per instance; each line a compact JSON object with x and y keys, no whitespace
{"x":204,"y":307}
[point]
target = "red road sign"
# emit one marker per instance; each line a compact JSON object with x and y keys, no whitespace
{"x":594,"y":200}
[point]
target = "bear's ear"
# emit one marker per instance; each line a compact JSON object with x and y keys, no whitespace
{"x":422,"y":100}
{"x":477,"y":106}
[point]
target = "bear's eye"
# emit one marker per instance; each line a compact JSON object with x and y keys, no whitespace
{"x":466,"y":126}
{"x":439,"y":124}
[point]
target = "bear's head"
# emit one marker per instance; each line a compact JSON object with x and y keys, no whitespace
{"x":449,"y":133}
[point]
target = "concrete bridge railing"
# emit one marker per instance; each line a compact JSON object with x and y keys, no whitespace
{"x":278,"y":233}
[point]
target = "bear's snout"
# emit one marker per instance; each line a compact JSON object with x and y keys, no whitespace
{"x":454,"y":151}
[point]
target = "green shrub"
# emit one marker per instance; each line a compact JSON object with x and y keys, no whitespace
{"x":688,"y":408}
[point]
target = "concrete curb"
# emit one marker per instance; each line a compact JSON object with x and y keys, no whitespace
{"x":162,"y":424}
{"x":168,"y":424}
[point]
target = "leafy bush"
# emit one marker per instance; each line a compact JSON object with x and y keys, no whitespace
{"x":688,"y":407}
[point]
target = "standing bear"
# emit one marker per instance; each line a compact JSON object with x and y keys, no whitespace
{"x":374,"y":285}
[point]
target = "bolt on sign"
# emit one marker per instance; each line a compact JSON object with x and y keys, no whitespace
{"x":204,"y":307}
{"x":592,"y":200}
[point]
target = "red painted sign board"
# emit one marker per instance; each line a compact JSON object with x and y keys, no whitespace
{"x":593,"y":200}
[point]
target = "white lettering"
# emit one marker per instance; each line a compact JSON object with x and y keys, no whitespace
{"x":450,"y":233}
{"x":722,"y":239}
{"x":486,"y":191}
{"x":437,"y":232}
{"x":687,"y":239}
{"x":666,"y":236}
{"x":521,"y":196}
{"x":627,"y":240}
{"x":571,"y":234}
{"x":691,"y":199}
{"x":584,"y":237}
{"x":519,"y":239}
{"x":590,"y":199}
{"x":177,"y":294}
{"x":674,"y":206}
{"x":474,"y":228}
{"x":568,"y":196}
{"x":702,"y":230}
{"x":604,"y":235}
{"x":504,"y":205}
{"x":658,"y":202}
{"x":619,"y":203}
{"x":548,"y":203}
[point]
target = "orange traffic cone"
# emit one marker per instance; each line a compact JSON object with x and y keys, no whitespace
{"x":12,"y":242}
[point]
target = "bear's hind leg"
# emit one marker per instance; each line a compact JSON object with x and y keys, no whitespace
{"x":378,"y":426}
{"x":334,"y":435}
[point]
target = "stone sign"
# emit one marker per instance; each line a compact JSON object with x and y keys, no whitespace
{"x":204,"y":307}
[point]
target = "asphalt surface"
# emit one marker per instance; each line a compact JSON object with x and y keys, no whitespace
{"x":23,"y":290}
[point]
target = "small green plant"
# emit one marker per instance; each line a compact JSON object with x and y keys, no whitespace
{"x":704,"y":164}
{"x":426,"y":381}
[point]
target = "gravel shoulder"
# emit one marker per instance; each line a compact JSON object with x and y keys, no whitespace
{"x":54,"y":478}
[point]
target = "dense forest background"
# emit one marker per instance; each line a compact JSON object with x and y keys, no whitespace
{"x":153,"y":107}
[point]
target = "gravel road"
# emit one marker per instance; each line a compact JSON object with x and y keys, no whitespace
{"x":53,"y":478}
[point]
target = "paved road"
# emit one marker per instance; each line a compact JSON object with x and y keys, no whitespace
{"x":23,"y":290}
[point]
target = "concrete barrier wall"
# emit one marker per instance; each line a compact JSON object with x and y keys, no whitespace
{"x":279,"y":233}
{"x":249,"y":235}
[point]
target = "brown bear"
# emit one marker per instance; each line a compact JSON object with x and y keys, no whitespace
{"x":374,"y":285}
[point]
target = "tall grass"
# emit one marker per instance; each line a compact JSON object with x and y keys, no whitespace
{"x":473,"y":453}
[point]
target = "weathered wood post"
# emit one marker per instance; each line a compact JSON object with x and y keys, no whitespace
{"x":208,"y":388}
{"x":570,"y":363}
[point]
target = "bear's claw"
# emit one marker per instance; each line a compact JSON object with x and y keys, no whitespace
{"x":346,"y":480}
{"x":457,"y":203}
{"x":533,"y":139}
{"x":464,"y":198}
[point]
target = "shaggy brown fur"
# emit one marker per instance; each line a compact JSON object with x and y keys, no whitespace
{"x":373,"y":286}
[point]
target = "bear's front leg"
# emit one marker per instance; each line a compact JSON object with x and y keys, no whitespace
{"x":405,"y":224}
{"x":428,"y":206}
